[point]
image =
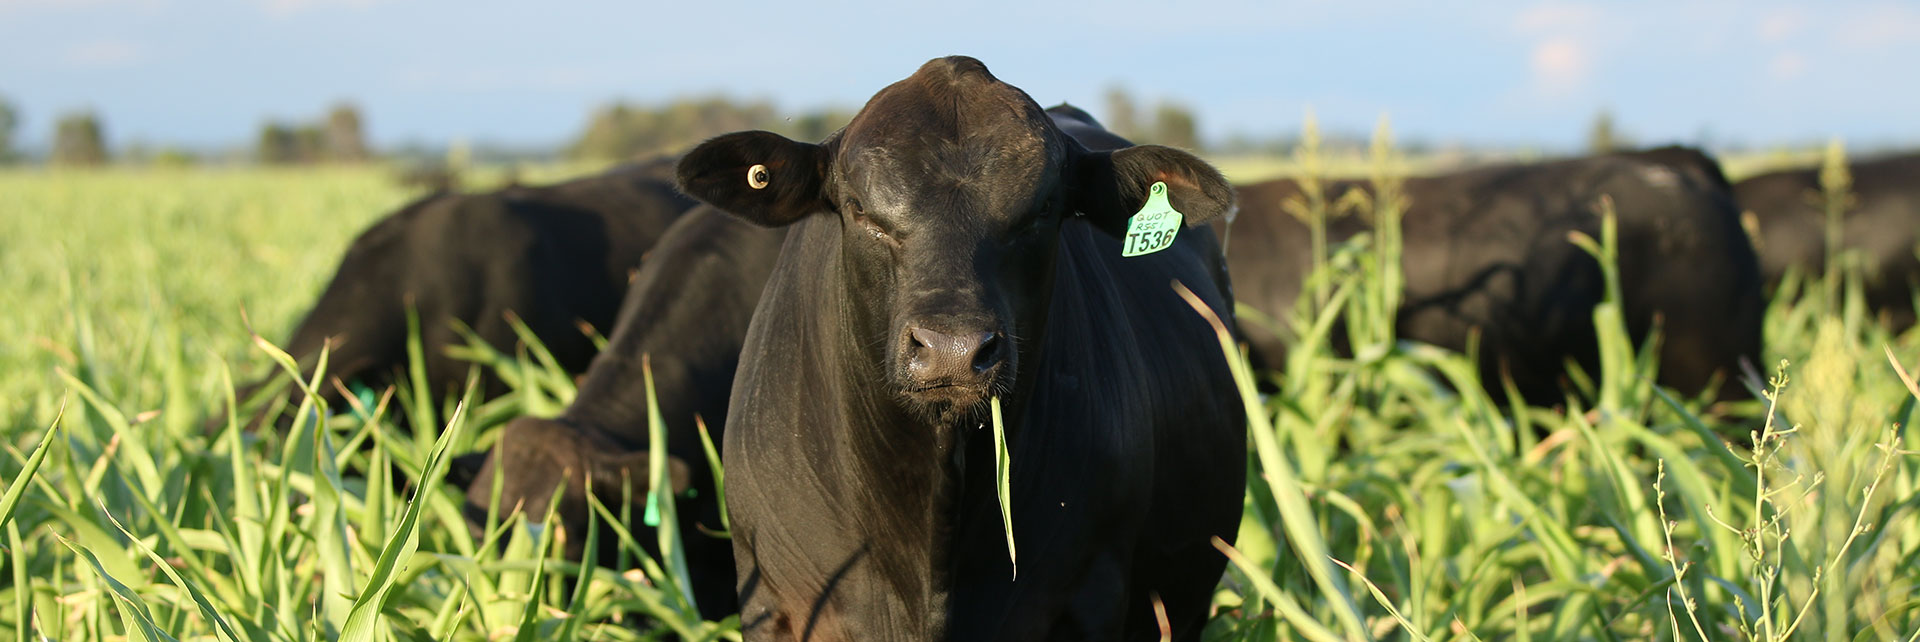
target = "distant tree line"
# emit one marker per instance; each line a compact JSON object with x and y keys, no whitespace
{"x":77,"y":137}
{"x":338,"y":138}
{"x":1173,"y":123}
{"x":1602,"y":138}
{"x":622,"y":130}
{"x":80,"y":140}
{"x":9,"y":118}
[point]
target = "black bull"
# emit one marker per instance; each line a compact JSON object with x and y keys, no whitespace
{"x":688,"y":310}
{"x":950,"y":245}
{"x":554,"y":256}
{"x":1486,"y":250}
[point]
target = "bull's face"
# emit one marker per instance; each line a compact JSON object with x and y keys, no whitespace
{"x":950,"y":189}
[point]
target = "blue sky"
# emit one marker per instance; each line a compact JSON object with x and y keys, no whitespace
{"x":208,"y":72}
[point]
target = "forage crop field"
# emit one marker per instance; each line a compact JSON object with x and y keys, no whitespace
{"x":1390,"y":497}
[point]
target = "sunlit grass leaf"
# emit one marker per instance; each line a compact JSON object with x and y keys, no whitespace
{"x":1003,"y":481}
{"x":133,"y":611}
{"x":403,"y":541}
{"x":18,"y":487}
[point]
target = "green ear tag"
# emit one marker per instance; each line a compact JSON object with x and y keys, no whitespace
{"x":1152,"y":228}
{"x":363,"y":393}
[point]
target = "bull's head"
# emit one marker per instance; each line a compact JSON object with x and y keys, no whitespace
{"x":951,"y":188}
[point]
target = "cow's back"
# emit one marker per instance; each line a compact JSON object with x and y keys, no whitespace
{"x":1486,"y":252}
{"x":1789,"y":210}
{"x":552,"y":256}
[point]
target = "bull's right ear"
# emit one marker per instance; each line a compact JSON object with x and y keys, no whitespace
{"x":758,"y":176}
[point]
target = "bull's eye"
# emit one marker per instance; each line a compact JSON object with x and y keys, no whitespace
{"x":867,"y":225}
{"x":1027,"y":225}
{"x":1033,"y":221}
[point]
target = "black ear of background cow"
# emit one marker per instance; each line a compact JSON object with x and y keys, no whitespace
{"x":716,"y":172}
{"x":1112,"y":186}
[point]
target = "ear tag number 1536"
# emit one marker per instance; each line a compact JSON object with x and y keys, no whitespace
{"x":1152,"y":228}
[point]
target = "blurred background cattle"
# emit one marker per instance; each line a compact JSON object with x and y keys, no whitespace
{"x":1487,"y":259}
{"x":1863,"y":215}
{"x":547,"y":264}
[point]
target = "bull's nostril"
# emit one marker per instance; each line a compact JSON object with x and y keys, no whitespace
{"x":924,"y":338}
{"x":987,"y":355}
{"x":935,"y":356}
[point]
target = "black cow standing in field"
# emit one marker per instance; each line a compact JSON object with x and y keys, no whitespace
{"x":953,"y":244}
{"x":686,"y":316}
{"x":1883,"y":224}
{"x":1488,"y":249}
{"x":555,"y":256}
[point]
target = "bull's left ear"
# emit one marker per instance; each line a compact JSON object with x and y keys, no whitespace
{"x":1109,"y":187}
{"x":759,"y":176}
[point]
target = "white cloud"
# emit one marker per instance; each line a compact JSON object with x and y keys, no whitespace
{"x":1560,"y":63}
{"x":1565,"y":43}
{"x":103,"y":54}
{"x":1781,"y":24}
{"x":1787,"y":66}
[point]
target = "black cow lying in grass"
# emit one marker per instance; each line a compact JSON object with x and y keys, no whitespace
{"x":686,"y":315}
{"x":1883,"y":224}
{"x":953,"y":244}
{"x":553,"y":256}
{"x":1487,"y":249}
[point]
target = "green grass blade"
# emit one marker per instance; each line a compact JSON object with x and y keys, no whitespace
{"x":22,"y":586}
{"x":207,"y":608}
{"x":1289,"y":610}
{"x":18,"y":487}
{"x":661,"y":510}
{"x":133,"y":611}
{"x":424,"y":425}
{"x":589,"y":554}
{"x":138,"y":456}
{"x":530,"y":613}
{"x":330,"y":530}
{"x":1003,"y":480}
{"x":367,"y":607}
{"x":1296,"y":516}
{"x":719,"y":477}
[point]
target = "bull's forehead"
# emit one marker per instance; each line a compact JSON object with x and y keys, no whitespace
{"x":952,"y":132}
{"x":927,"y":172}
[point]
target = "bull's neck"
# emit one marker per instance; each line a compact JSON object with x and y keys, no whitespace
{"x":890,"y":447}
{"x":899,"y":475}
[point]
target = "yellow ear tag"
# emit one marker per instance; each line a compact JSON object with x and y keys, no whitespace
{"x":1152,"y":228}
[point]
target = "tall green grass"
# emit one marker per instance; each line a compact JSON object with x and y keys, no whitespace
{"x":128,"y":520}
{"x":1388,"y":496}
{"x":1623,"y":515}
